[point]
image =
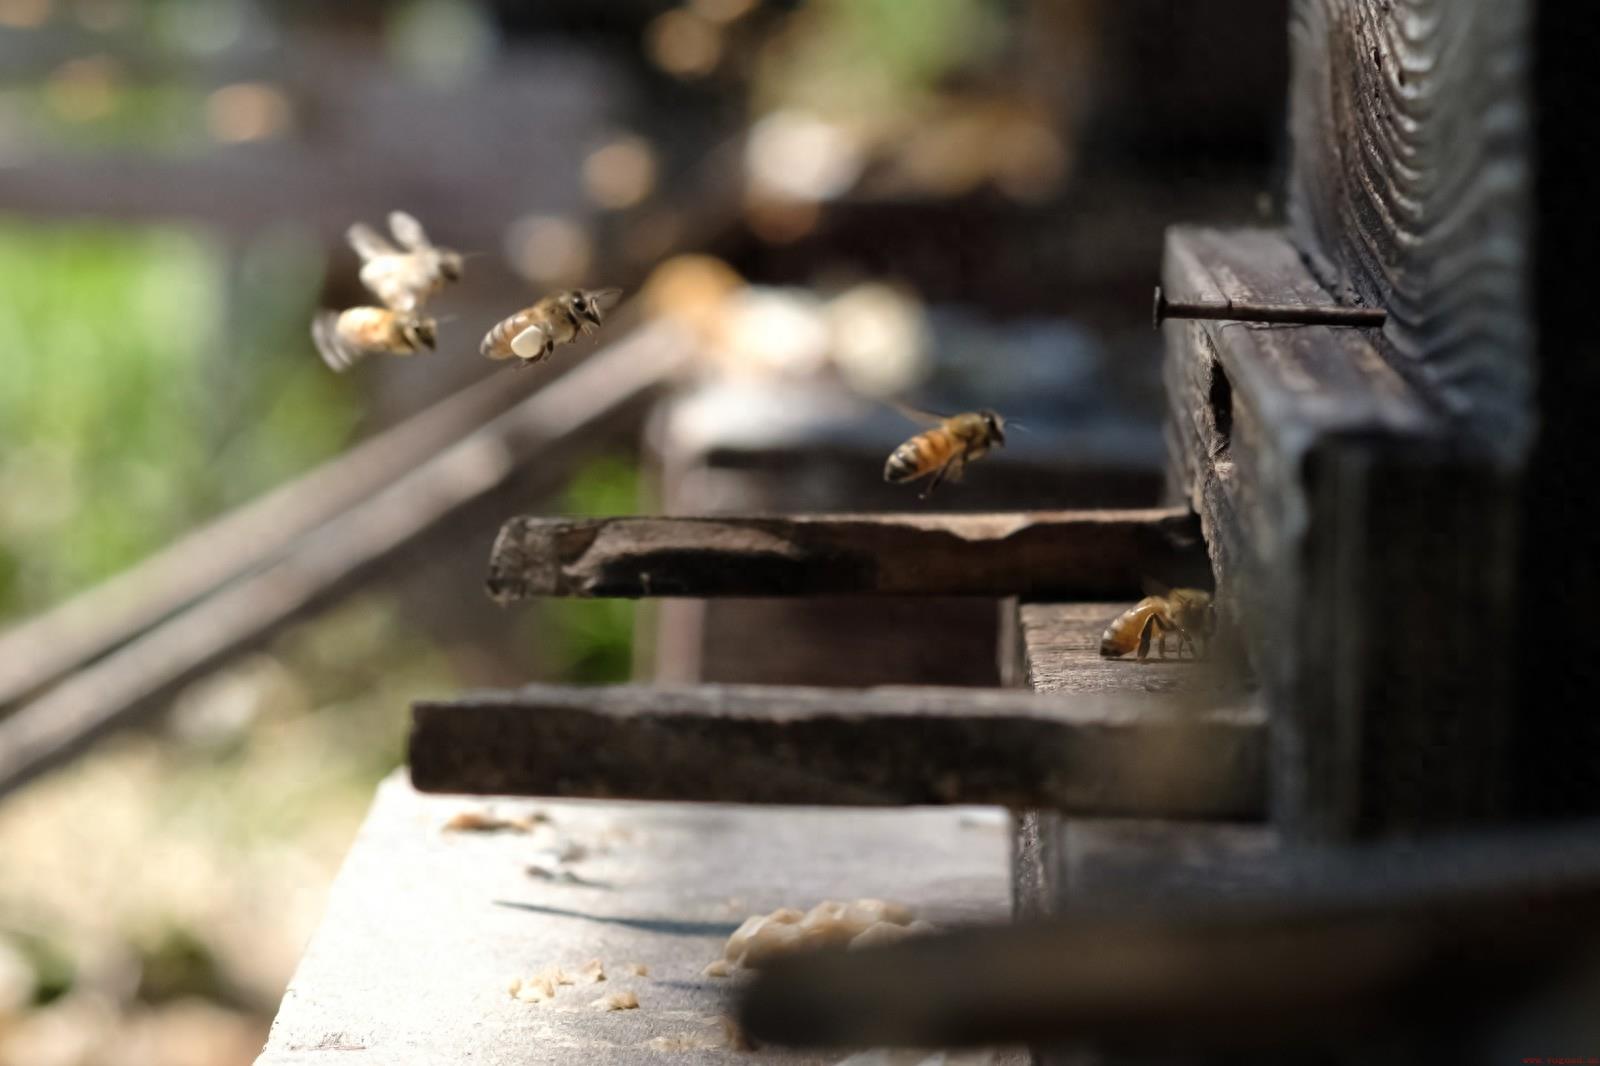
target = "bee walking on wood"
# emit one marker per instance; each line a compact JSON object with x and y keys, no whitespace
{"x":345,"y":337}
{"x":1187,"y":612}
{"x":533,"y":332}
{"x":945,"y":450}
{"x":404,"y":277}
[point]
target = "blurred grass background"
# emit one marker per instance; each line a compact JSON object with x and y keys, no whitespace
{"x":155,"y":894}
{"x":163,"y":885}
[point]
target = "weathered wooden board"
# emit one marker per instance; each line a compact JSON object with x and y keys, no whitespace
{"x":453,"y":490}
{"x":1410,"y":186}
{"x":1057,"y":860}
{"x":1064,"y":553}
{"x":758,"y":446}
{"x":1126,"y":754}
{"x":1334,"y":955}
{"x":1362,"y":551}
{"x":424,"y":928}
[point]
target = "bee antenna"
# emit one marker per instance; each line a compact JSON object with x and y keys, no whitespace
{"x":1010,"y":424}
{"x":440,"y":320}
{"x":472,"y":255}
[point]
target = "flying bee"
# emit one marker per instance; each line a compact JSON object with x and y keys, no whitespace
{"x":1187,"y":612}
{"x":946,"y":449}
{"x":343,"y":338}
{"x":533,"y":332}
{"x":403,"y":279}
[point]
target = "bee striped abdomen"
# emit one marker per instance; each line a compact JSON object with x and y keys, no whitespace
{"x":497,"y":342}
{"x":1122,"y":635}
{"x":920,"y":455}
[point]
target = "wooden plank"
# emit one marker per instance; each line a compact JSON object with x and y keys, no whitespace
{"x":1410,"y":187}
{"x":1026,"y":553}
{"x":1060,"y":861}
{"x":352,"y":118}
{"x":447,"y":492}
{"x":1128,"y":755}
{"x":423,"y":928}
{"x":1363,"y":554}
{"x":1348,"y":955}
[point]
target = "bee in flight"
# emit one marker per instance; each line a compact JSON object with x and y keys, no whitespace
{"x":946,"y":449}
{"x":533,"y":332}
{"x":403,"y":279}
{"x":345,"y":337}
{"x":1187,"y":612}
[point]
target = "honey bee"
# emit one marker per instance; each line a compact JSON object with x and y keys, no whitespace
{"x":403,"y":279}
{"x":1187,"y":612}
{"x":945,"y":450}
{"x":533,"y":332}
{"x":343,"y":338}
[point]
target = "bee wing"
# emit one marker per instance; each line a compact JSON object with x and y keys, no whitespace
{"x":927,"y":418}
{"x":368,"y":245}
{"x":325,"y":335}
{"x":408,"y":231}
{"x":1152,"y":587}
{"x":531,"y":342}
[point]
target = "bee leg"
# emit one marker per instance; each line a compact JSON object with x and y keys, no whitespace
{"x":938,"y":477}
{"x":950,"y":471}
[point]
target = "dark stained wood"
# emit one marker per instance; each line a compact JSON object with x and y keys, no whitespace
{"x":469,"y":482}
{"x":1362,"y":551}
{"x":1043,"y":553}
{"x":424,"y":928}
{"x":1409,"y":190}
{"x":1126,"y":755}
{"x":1330,"y":957}
{"x":468,"y":163}
{"x":730,"y":448}
{"x":1058,"y":861}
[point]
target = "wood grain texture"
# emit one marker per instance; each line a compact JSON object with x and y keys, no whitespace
{"x":1341,"y":956}
{"x":1410,"y":190}
{"x":410,"y":964}
{"x":1116,"y":755}
{"x":1062,"y":553}
{"x":456,"y":489}
{"x":1059,"y":862}
{"x":1364,"y":555}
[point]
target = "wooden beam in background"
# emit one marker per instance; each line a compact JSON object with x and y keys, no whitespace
{"x":1063,"y":554}
{"x":454,"y":490}
{"x":1135,"y":755}
{"x":41,"y":650}
{"x":1350,"y":952}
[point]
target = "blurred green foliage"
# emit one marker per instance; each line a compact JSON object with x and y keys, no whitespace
{"x":151,"y":118}
{"x":591,"y":641}
{"x":865,"y":58}
{"x":149,"y":382}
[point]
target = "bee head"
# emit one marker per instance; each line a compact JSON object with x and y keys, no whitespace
{"x":995,"y":424}
{"x":420,"y":332}
{"x":450,"y":266}
{"x":589,"y":305}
